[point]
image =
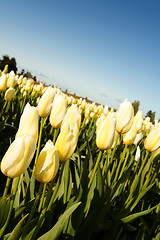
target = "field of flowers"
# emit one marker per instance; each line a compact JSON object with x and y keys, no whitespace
{"x":75,"y":170}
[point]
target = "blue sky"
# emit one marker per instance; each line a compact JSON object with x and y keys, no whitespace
{"x":101,"y":49}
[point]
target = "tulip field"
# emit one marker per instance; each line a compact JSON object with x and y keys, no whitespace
{"x":70,"y":169}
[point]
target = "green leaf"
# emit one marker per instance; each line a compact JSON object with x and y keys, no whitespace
{"x":139,"y":214}
{"x":4,"y":210}
{"x":55,"y":232}
{"x":15,"y":234}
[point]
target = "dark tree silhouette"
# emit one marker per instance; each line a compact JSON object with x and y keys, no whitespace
{"x":11,"y":62}
{"x":151,"y":115}
{"x":136,"y":105}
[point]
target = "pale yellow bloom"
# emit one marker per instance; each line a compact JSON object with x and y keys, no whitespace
{"x":138,"y":154}
{"x":47,"y":163}
{"x":18,"y":156}
{"x":138,"y":138}
{"x":152,"y":141}
{"x":128,"y":138}
{"x":45,"y":103}
{"x":138,"y":121}
{"x":11,"y":82}
{"x":105,"y":133}
{"x":9,"y":94}
{"x":29,"y":122}
{"x":59,"y":108}
{"x":125,"y":116}
{"x":3,"y":82}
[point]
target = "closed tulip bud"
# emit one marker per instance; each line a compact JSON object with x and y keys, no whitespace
{"x":138,"y":154}
{"x":11,"y":80}
{"x":105,"y":133}
{"x":72,"y":116}
{"x":5,"y":69}
{"x":3,"y":82}
{"x":138,"y":138}
{"x":47,"y":164}
{"x":138,"y":121}
{"x":152,"y":141}
{"x":9,"y":94}
{"x":29,"y":122}
{"x":45,"y":103}
{"x":59,"y":108}
{"x":18,"y":156}
{"x":125,"y":116}
{"x":67,"y":141}
{"x":128,"y":138}
{"x":115,"y":140}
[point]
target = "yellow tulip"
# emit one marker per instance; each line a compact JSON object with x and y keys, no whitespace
{"x":138,"y":138}
{"x":18,"y":156}
{"x":59,"y":108}
{"x":3,"y":82}
{"x":47,"y":164}
{"x":11,"y":82}
{"x":9,"y":94}
{"x":67,"y":141}
{"x":72,"y":116}
{"x":105,"y":133}
{"x":29,"y":122}
{"x":45,"y":103}
{"x":125,"y":116}
{"x":152,"y":141}
{"x":138,"y":121}
{"x":128,"y":138}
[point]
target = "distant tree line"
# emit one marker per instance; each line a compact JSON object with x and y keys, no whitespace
{"x":12,"y":66}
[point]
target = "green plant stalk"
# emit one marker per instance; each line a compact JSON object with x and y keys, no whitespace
{"x":13,"y":194}
{"x":32,"y":211}
{"x":66,"y":182}
{"x":6,"y":187}
{"x":49,"y":192}
{"x":106,"y":161}
{"x":114,"y":149}
{"x":47,"y":206}
{"x":120,"y":162}
{"x":83,"y":123}
{"x":138,"y":175}
{"x":24,"y":101}
{"x":55,"y":135}
{"x":42,"y":197}
{"x":95,"y":168}
{"x":124,"y":164}
{"x":39,"y":142}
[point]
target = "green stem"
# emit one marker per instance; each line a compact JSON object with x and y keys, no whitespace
{"x":66,"y":182}
{"x":106,"y":162}
{"x":95,"y":168}
{"x":124,"y":164}
{"x":114,"y":149}
{"x":56,"y":130}
{"x":24,"y":101}
{"x":48,"y":205}
{"x":42,"y":197}
{"x":13,"y":194}
{"x":39,"y":141}
{"x":6,"y":187}
{"x":120,"y":162}
{"x":32,"y":212}
{"x":143,"y":163}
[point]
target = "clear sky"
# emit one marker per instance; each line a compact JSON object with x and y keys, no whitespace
{"x":105,"y":50}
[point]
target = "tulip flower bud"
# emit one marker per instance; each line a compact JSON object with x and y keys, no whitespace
{"x":59,"y":108}
{"x":67,"y":141}
{"x":116,"y":135}
{"x":18,"y":156}
{"x":5,"y":69}
{"x":45,"y":103}
{"x":138,"y":154}
{"x":138,"y":138}
{"x":125,"y":116}
{"x":3,"y":82}
{"x":73,"y":116}
{"x":152,"y":141}
{"x":9,"y":94}
{"x":11,"y":80}
{"x":29,"y":122}
{"x":138,"y":121}
{"x":105,"y":133}
{"x":47,"y":164}
{"x":128,"y":138}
